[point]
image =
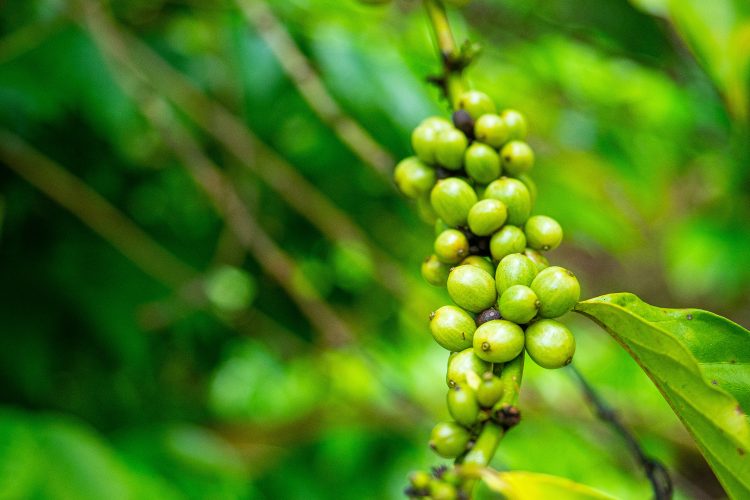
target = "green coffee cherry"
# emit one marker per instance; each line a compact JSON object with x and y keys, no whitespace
{"x":508,"y":240}
{"x":413,"y":178}
{"x":452,"y":199}
{"x":514,"y":269}
{"x":449,"y":439}
{"x":440,"y":225}
{"x":491,"y":129}
{"x":487,"y":216}
{"x":518,"y":304}
{"x":424,"y":140}
{"x":471,"y":288}
{"x":498,"y":341}
{"x":476,"y":104}
{"x":436,"y":123}
{"x":450,"y":149}
{"x":516,"y":124}
{"x":490,"y":390}
{"x":550,"y":343}
{"x":451,"y":246}
{"x":435,"y":272}
{"x":518,"y":158}
{"x":558,"y":291}
{"x":481,"y":262}
{"x":537,"y":258}
{"x":440,"y":490}
{"x":425,"y":210}
{"x":514,"y":194}
{"x":465,"y":368}
{"x":420,"y":480}
{"x":463,"y":405}
{"x":530,"y":185}
{"x":452,"y":328}
{"x":482,"y":163}
{"x":543,"y":233}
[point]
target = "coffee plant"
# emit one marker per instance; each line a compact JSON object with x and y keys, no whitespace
{"x":470,"y":179}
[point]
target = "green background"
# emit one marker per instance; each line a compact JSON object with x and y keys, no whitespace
{"x":195,"y":374}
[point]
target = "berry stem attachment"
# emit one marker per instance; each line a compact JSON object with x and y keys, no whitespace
{"x":451,"y":79}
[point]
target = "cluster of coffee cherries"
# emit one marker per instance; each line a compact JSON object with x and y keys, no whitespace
{"x":469,"y":177}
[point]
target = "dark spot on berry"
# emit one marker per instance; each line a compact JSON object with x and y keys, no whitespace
{"x":487,"y":315}
{"x":485,"y":346}
{"x":714,"y":382}
{"x":507,"y":158}
{"x":741,"y":451}
{"x":689,"y":317}
{"x":732,"y":361}
{"x":432,"y":315}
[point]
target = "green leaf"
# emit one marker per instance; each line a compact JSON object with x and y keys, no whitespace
{"x":701,"y":364}
{"x":524,"y":485}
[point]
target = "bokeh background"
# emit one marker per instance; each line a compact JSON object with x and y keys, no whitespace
{"x":210,"y":287}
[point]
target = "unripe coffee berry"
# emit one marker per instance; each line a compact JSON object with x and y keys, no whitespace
{"x":510,"y":239}
{"x":558,"y":291}
{"x":440,"y":226}
{"x":452,"y":199}
{"x":514,"y":194}
{"x":471,"y":288}
{"x":440,"y":490}
{"x":413,"y":178}
{"x":465,"y":368}
{"x":463,"y":405}
{"x":518,"y":304}
{"x":498,"y":341}
{"x":487,"y":216}
{"x":435,"y":272}
{"x":518,"y":158}
{"x":452,"y":328}
{"x":490,"y":390}
{"x":437,"y":123}
{"x":425,"y":210}
{"x":482,"y":163}
{"x":450,"y":148}
{"x":476,"y":103}
{"x":420,"y":480}
{"x":550,"y":343}
{"x":530,"y":185}
{"x":516,"y":124}
{"x":514,"y":269}
{"x":491,"y":130}
{"x":537,"y":258}
{"x":449,"y":439}
{"x":543,"y":233}
{"x":481,"y":262}
{"x":451,"y":246}
{"x":424,"y":140}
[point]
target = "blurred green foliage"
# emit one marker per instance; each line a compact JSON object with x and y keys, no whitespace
{"x":115,"y":384}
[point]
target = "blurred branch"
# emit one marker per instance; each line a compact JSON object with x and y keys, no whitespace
{"x":95,"y":211}
{"x":231,"y":133}
{"x":310,"y":86}
{"x":657,"y":474}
